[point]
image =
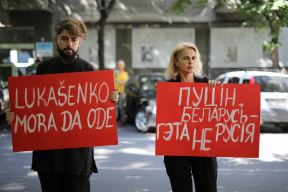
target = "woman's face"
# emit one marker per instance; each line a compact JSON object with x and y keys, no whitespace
{"x":186,"y":61}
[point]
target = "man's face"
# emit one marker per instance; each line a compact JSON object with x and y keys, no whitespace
{"x":120,"y":66}
{"x":68,"y":45}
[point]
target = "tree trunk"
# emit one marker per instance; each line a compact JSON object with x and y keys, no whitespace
{"x":274,"y":32}
{"x":104,"y":13}
{"x":275,"y":55}
{"x":101,"y":48}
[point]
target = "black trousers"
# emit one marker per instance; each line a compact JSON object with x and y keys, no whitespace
{"x":58,"y":182}
{"x":181,"y":169}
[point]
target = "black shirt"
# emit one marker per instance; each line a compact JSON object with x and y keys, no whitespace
{"x":196,"y":79}
{"x":78,"y":161}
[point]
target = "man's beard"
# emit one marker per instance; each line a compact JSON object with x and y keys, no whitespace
{"x":67,"y":57}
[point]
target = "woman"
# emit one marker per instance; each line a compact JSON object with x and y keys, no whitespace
{"x":185,"y":66}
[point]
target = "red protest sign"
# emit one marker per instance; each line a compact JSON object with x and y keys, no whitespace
{"x":194,"y":119}
{"x":59,"y":111}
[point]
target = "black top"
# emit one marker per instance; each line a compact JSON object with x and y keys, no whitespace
{"x":196,"y":79}
{"x":78,"y":161}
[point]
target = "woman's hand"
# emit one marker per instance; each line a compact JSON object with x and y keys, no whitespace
{"x":9,"y":117}
{"x":115,"y":96}
{"x":213,"y":83}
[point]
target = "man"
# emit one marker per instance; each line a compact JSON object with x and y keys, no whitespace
{"x":121,"y":78}
{"x":65,"y":170}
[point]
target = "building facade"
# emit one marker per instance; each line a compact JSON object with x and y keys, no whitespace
{"x":143,"y":33}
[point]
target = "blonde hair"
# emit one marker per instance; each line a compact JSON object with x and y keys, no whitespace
{"x":172,"y":71}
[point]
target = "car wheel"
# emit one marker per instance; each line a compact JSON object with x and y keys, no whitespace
{"x":284,"y":128}
{"x":141,"y":121}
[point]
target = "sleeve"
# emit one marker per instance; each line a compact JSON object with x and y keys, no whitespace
{"x":205,"y":79}
{"x":88,"y":66}
{"x":202,"y":79}
{"x":39,"y":69}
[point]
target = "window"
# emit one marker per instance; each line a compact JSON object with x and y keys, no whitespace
{"x":231,"y":54}
{"x":233,"y":80}
{"x":272,"y":83}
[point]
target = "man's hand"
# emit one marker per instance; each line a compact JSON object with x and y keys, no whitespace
{"x":9,"y":117}
{"x":115,"y":96}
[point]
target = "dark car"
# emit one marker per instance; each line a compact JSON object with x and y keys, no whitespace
{"x":140,"y":100}
{"x":4,"y":98}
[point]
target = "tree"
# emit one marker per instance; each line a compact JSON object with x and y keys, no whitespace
{"x":104,"y":10}
{"x":267,"y":13}
{"x":179,"y":6}
{"x":260,"y":13}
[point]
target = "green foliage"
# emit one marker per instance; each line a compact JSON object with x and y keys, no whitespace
{"x":269,"y":47}
{"x":179,"y":6}
{"x":259,"y":13}
{"x":263,"y":11}
{"x":266,"y":13}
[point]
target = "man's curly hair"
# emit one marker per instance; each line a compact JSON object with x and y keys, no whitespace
{"x":75,"y":26}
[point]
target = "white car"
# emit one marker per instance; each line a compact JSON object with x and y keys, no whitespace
{"x":274,"y":94}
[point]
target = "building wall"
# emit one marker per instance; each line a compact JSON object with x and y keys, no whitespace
{"x":238,"y":48}
{"x":283,"y":50}
{"x":229,"y":48}
{"x":123,"y":47}
{"x":89,"y":47}
{"x":151,"y":47}
{"x":40,"y":20}
{"x":203,"y":43}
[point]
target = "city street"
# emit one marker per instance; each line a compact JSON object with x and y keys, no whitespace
{"x":131,"y":166}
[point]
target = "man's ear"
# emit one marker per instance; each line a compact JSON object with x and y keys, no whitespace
{"x":54,"y":39}
{"x":80,"y":42}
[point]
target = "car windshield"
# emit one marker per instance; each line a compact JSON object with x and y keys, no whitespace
{"x":149,"y":82}
{"x":272,"y":83}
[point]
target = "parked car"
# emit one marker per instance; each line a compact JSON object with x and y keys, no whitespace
{"x":4,"y":98}
{"x":274,"y":94}
{"x":141,"y":100}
